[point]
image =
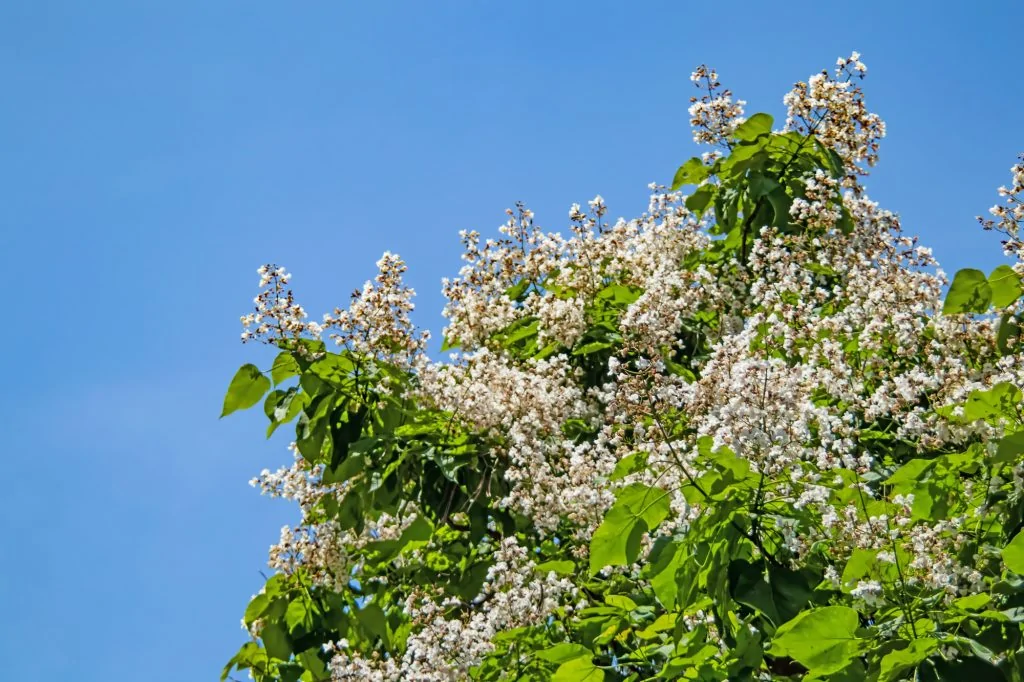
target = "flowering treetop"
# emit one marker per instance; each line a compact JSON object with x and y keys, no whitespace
{"x":740,"y":436}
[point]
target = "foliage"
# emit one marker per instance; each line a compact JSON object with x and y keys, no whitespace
{"x":738,"y":437}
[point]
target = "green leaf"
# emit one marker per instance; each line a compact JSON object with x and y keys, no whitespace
{"x":999,"y":401}
{"x":693,"y":172}
{"x":298,"y":615}
{"x":699,"y":201}
{"x":1010,"y":447}
{"x":663,"y":569}
{"x":352,"y":465}
{"x":630,"y":464}
{"x":910,"y":472}
{"x":970,"y":292}
{"x":559,"y":567}
{"x":822,"y":640}
{"x":895,"y":663}
{"x":791,"y":590}
{"x":753,"y":127}
{"x":515,"y":291}
{"x":761,"y":185}
{"x":966,"y":644}
{"x":648,"y":502}
{"x":973,"y":602}
{"x":1013,"y":554}
{"x":312,"y":430}
{"x":415,"y":536}
{"x":289,"y":672}
{"x":311,"y":661}
{"x":780,"y":203}
{"x":616,"y":542}
{"x":779,"y":596}
{"x":334,"y":368}
{"x":744,"y":157}
{"x":251,"y":655}
{"x":620,"y":293}
{"x":664,"y":622}
{"x":620,"y":601}
{"x":1009,"y":329}
{"x":1005,"y":285}
{"x":860,"y":564}
{"x":256,"y":608}
{"x":567,"y":651}
{"x":276,"y":642}
{"x":418,"y":532}
{"x":592,"y":347}
{"x":284,"y":368}
{"x":246,"y":389}
{"x":547,"y":350}
{"x":271,"y":402}
{"x":832,"y":161}
{"x":523,"y":328}
{"x":578,"y":670}
{"x":372,"y":618}
{"x":287,"y":409}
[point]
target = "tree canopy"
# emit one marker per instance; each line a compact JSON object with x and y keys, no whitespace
{"x":746,"y":435}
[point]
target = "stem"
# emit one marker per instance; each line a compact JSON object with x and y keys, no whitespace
{"x":903,"y":582}
{"x":748,"y":220}
{"x":907,"y":614}
{"x":690,"y":479}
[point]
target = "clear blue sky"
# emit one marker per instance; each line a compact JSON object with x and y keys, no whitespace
{"x":153,"y":154}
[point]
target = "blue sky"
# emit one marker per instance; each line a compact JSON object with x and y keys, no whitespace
{"x":155,"y":153}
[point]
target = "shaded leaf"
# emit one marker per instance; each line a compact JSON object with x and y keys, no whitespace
{"x":372,"y":618}
{"x":699,"y":201}
{"x":1008,"y":335}
{"x":1010,"y":448}
{"x":761,"y":185}
{"x":298,"y":615}
{"x":822,"y":640}
{"x":276,"y":642}
{"x":1013,"y":554}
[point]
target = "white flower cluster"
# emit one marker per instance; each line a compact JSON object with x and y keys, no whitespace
{"x":1008,"y":218}
{"x":445,"y":648}
{"x":818,"y":208}
{"x":832,"y":108}
{"x":376,"y":323}
{"x":714,"y":116}
{"x":277,"y":315}
{"x":818,"y":335}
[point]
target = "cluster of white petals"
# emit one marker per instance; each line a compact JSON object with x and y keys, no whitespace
{"x":815,"y":339}
{"x":831,"y":107}
{"x":444,"y":647}
{"x":1009,"y":216}
{"x":714,"y":116}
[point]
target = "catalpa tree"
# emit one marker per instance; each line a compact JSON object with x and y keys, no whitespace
{"x":743,"y":436}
